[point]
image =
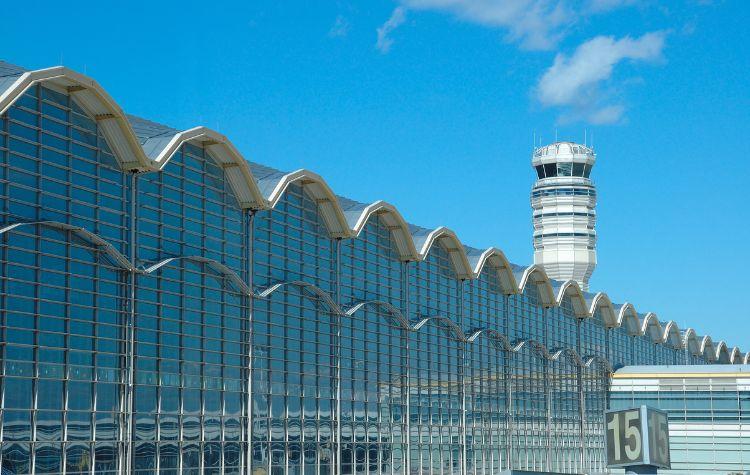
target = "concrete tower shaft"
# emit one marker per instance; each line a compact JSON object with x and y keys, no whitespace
{"x":563,"y":200}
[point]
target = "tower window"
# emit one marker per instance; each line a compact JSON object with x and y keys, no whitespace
{"x":564,"y":169}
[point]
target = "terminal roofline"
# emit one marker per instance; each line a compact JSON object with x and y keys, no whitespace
{"x":152,"y":153}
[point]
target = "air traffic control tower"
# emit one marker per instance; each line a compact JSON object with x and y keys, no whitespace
{"x":563,"y":200}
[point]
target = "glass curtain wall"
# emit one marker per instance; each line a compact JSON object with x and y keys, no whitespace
{"x":361,"y":362}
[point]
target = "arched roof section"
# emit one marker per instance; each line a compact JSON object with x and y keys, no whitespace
{"x":83,"y":234}
{"x":722,"y":353}
{"x":273,"y":187}
{"x":535,"y":275}
{"x":424,"y":241}
{"x":652,"y":328}
{"x":570,"y":289}
{"x":496,"y":258}
{"x":500,"y":341}
{"x":445,"y":323}
{"x":672,"y":335}
{"x":690,"y":341}
{"x":627,"y":318}
{"x":394,"y":312}
{"x":212,"y":264}
{"x":313,"y":289}
{"x":746,"y":359}
{"x":161,"y":148}
{"x":357,"y":215}
{"x":708,"y":350}
{"x":93,"y":99}
{"x":735,"y":356}
{"x":601,"y":302}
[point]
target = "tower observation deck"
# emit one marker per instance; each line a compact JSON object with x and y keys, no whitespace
{"x":563,"y":200}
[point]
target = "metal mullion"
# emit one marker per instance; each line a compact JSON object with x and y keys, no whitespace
{"x":249,"y":272}
{"x":3,"y":330}
{"x":95,"y":326}
{"x":130,"y":328}
{"x":202,"y":412}
{"x":507,"y":373}
{"x":35,"y":352}
{"x":464,"y":349}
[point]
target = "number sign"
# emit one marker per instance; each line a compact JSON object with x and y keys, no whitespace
{"x":638,"y":436}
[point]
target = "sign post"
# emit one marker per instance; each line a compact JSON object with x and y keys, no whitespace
{"x":637,"y":440}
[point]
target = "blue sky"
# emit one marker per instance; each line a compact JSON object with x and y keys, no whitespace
{"x":432,"y":104}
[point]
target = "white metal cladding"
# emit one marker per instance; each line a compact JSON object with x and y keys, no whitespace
{"x":413,"y":245}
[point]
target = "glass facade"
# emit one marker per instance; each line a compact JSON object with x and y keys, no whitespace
{"x":154,"y":323}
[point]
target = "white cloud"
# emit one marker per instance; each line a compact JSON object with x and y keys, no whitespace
{"x":536,"y":24}
{"x":607,"y":5}
{"x":575,"y":81}
{"x":340,"y":27}
{"x":398,"y":17}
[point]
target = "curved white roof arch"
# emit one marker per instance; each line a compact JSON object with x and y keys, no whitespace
{"x":223,"y":152}
{"x":722,"y":353}
{"x":707,"y":348}
{"x":95,"y":101}
{"x":535,"y":275}
{"x":746,"y":359}
{"x":652,"y":327}
{"x":735,"y":356}
{"x":496,"y":258}
{"x":570,"y":289}
{"x":318,"y":190}
{"x":392,"y":218}
{"x":672,"y":336}
{"x":691,"y":342}
{"x":627,"y":318}
{"x":452,"y":246}
{"x":602,"y":303}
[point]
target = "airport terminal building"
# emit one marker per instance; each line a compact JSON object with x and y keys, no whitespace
{"x":168,"y":306}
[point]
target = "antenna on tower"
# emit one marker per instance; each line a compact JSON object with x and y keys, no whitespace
{"x":555,"y":134}
{"x":584,"y":136}
{"x":592,"y":140}
{"x":533,"y":141}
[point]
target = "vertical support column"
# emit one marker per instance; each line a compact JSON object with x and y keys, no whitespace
{"x":3,"y":327}
{"x":464,"y":350}
{"x":130,"y":330}
{"x":405,"y":292}
{"x":508,"y":386}
{"x":337,"y":299}
{"x":547,"y":389}
{"x":249,"y":241}
{"x":607,"y":344}
{"x":581,"y":399}
{"x":406,"y":394}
